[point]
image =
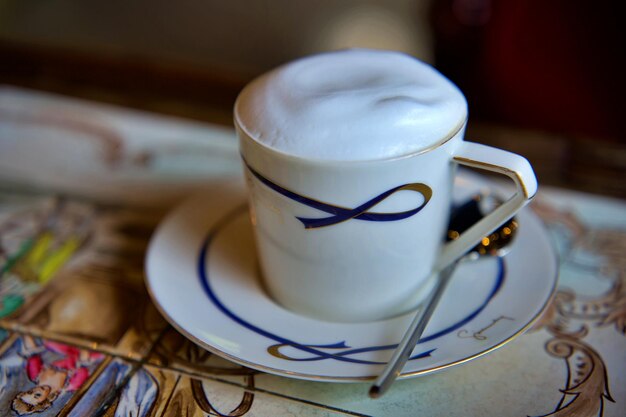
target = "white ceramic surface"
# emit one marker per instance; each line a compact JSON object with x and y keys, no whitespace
{"x":202,"y":275}
{"x":350,"y":158}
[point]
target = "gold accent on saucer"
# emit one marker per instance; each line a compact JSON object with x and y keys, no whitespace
{"x":274,"y":350}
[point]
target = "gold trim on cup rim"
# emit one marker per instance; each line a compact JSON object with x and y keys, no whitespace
{"x":279,"y":154}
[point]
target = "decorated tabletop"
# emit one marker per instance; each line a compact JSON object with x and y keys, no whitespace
{"x":82,"y":189}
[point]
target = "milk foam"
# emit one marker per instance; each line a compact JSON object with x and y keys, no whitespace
{"x":351,"y":105}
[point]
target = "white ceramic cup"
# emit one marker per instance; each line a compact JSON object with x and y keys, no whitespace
{"x":357,"y":240}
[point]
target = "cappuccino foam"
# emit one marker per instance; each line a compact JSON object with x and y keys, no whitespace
{"x":351,"y":105}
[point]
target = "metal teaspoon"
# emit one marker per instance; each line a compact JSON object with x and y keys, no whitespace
{"x":496,"y":244}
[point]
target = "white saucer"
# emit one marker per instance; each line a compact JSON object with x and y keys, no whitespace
{"x":202,"y":275}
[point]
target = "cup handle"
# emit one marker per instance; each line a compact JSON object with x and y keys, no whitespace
{"x":500,"y":161}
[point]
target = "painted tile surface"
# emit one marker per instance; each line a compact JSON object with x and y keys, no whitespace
{"x":43,"y":376}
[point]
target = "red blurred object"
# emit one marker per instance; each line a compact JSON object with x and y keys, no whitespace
{"x":555,"y":65}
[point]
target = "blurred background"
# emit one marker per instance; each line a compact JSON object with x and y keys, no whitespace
{"x":542,"y":78}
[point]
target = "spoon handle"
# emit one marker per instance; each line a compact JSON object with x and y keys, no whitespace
{"x":412,"y":335}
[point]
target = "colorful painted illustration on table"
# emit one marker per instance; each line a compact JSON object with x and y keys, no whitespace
{"x":42,"y":376}
{"x":37,"y":240}
{"x":108,"y":273}
{"x":121,"y":390}
{"x":137,"y":397}
{"x":67,"y":309}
